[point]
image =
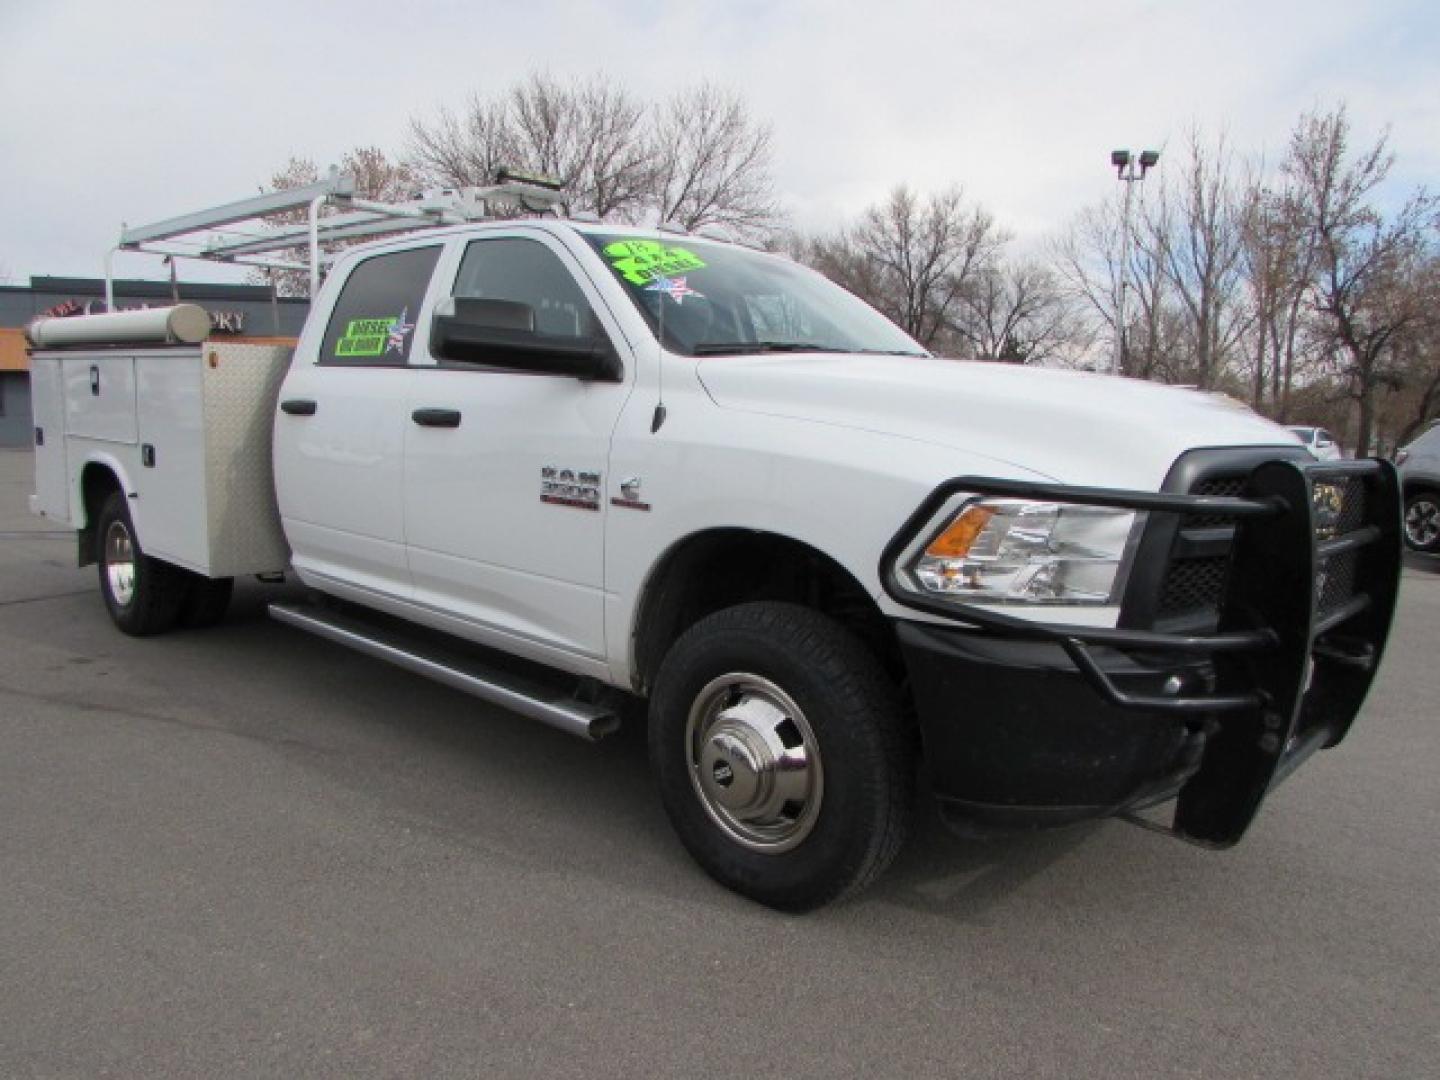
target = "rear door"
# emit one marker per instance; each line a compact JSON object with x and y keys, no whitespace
{"x":340,"y":432}
{"x":505,"y":512}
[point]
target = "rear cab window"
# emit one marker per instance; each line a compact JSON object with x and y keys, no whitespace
{"x":373,"y":322}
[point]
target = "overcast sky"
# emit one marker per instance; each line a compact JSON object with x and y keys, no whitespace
{"x":117,"y":111}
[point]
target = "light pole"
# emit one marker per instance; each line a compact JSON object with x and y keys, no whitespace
{"x":1131,"y":170}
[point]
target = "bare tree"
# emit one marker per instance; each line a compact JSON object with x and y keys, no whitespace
{"x":1015,"y":312}
{"x":1087,"y":259}
{"x":465,"y":150}
{"x":712,"y":163}
{"x":376,"y":177}
{"x":1278,"y":262}
{"x":379,"y":177}
{"x":1194,"y":232}
{"x":913,"y":258}
{"x":1366,"y":261}
{"x":616,"y":167}
{"x":590,"y":134}
{"x":586,"y":133}
{"x":697,"y":159}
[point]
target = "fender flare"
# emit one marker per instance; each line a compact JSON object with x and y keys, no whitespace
{"x":80,"y":513}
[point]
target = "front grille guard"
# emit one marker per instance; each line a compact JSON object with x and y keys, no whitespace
{"x":1289,"y":675}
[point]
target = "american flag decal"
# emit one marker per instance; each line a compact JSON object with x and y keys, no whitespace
{"x":395,"y":342}
{"x":676,"y":288}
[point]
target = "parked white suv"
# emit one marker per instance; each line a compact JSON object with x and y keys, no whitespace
{"x":1319,"y":442}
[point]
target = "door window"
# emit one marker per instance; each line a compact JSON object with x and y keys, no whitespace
{"x":527,"y":272}
{"x":374,"y":318}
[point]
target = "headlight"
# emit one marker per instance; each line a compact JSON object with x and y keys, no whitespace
{"x":1020,"y":551}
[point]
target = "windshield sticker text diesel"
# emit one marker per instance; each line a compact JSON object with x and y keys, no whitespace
{"x":641,"y":261}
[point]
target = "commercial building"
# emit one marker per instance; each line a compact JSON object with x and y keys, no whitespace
{"x":237,"y":313}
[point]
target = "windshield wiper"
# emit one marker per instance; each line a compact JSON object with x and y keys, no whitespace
{"x":718,"y":348}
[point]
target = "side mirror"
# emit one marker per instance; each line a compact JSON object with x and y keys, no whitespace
{"x":501,"y":333}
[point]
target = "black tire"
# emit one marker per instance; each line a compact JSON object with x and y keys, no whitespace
{"x":151,"y":600}
{"x":1422,"y":521}
{"x":863,"y":787}
{"x":206,"y":601}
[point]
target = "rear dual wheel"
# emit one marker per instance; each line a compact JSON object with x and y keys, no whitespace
{"x":782,"y":755}
{"x":144,"y":595}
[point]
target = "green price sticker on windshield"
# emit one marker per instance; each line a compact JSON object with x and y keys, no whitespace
{"x":641,"y":261}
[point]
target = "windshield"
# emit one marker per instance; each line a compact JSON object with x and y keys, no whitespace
{"x":719,"y":300}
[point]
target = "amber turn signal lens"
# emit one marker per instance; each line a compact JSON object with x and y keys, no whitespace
{"x":960,"y":534}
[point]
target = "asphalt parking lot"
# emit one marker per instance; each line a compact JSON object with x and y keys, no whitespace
{"x":246,"y":851}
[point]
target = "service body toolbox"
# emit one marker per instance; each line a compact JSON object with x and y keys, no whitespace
{"x":186,"y":429}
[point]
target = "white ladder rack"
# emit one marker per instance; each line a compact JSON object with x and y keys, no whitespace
{"x":363,"y":218}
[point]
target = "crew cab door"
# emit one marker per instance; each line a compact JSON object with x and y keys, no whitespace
{"x":505,"y":486}
{"x":341,"y":425}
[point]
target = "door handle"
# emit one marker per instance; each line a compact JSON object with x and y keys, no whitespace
{"x":298,"y":407}
{"x":436,"y":417}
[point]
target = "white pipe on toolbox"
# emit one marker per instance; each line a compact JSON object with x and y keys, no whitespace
{"x":182,"y":324}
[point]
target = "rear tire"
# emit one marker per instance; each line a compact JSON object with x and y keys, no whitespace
{"x":1422,"y":521}
{"x":782,"y":755}
{"x":143,"y":595}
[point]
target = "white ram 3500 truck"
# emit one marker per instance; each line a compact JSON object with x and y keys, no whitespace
{"x":658,"y":466}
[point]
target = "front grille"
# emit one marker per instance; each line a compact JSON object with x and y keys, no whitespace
{"x":1194,"y":583}
{"x":1223,"y":486}
{"x":1193,"y":586}
{"x":1337,"y":574}
{"x":1352,"y":513}
{"x":1196,"y":573}
{"x":1337,"y":581}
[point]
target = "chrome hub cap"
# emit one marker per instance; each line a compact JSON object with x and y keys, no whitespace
{"x":120,"y":563}
{"x":1422,"y":523}
{"x":754,"y":762}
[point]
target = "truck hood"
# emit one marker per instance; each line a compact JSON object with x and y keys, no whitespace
{"x":1073,"y":427}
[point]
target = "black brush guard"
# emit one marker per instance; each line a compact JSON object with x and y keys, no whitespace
{"x":1292,"y":663}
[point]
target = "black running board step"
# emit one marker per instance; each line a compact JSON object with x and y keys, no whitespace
{"x":469,"y":676}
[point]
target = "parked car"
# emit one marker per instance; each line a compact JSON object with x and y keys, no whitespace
{"x":1320,"y":442}
{"x":1420,"y":482}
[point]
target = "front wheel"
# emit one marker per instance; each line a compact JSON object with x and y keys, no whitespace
{"x":782,"y":756}
{"x":1422,"y":522}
